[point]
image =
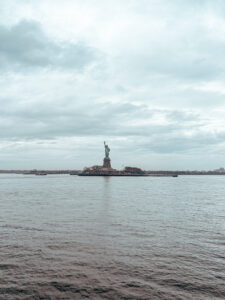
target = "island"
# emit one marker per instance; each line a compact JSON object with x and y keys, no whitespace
{"x":107,"y":170}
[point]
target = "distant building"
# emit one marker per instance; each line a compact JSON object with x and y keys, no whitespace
{"x":220,"y":170}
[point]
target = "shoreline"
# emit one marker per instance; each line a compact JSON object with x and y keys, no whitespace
{"x":147,"y":172}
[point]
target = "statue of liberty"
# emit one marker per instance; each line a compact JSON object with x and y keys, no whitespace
{"x":107,"y":150}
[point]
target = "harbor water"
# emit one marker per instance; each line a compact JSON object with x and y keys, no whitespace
{"x":71,"y":237}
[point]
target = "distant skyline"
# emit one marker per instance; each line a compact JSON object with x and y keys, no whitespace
{"x":146,"y":76}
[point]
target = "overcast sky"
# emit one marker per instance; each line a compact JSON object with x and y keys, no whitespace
{"x":147,"y":76}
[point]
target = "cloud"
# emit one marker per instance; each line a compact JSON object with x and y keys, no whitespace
{"x":26,"y":46}
{"x":145,"y":75}
{"x":154,"y":129}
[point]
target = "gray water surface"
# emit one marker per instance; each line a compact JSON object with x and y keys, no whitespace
{"x":71,"y":237}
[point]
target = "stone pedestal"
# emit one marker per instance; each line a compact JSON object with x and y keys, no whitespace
{"x":107,"y":163}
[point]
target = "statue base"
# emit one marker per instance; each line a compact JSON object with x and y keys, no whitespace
{"x":107,"y":163}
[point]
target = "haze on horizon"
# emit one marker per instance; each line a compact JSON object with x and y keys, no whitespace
{"x":147,"y":76}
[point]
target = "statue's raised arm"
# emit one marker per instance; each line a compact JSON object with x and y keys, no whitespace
{"x":107,"y":150}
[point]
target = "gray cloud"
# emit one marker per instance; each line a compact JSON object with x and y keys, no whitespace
{"x":147,"y":76}
{"x":181,"y":131}
{"x":26,"y":46}
{"x":185,"y":144}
